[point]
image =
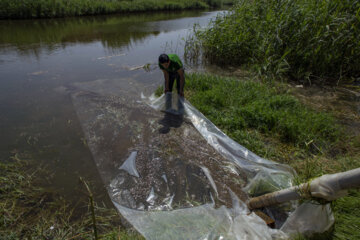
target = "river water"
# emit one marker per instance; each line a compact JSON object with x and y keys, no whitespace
{"x":40,"y":58}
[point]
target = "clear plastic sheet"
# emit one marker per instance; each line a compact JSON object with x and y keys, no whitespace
{"x":169,"y":171}
{"x":130,"y":166}
{"x":309,"y":219}
{"x":203,"y":222}
{"x":259,"y":171}
{"x":328,"y":186}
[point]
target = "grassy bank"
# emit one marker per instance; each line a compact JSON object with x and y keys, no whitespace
{"x":30,"y":212}
{"x":269,"y":121}
{"x":303,"y":40}
{"x":64,"y":8}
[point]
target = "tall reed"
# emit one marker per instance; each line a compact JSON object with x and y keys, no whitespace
{"x":304,"y":40}
{"x":63,"y":8}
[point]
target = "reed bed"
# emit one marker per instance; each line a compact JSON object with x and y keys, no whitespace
{"x":304,"y":40}
{"x":10,"y":9}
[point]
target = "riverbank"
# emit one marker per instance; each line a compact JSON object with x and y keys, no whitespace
{"x":264,"y":117}
{"x":66,"y":8}
{"x":28,"y":211}
{"x":302,"y":42}
{"x":267,"y":119}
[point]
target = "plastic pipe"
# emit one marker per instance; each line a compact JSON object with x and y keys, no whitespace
{"x":329,"y":187}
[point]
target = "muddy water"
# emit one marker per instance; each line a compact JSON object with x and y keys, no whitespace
{"x":40,"y":60}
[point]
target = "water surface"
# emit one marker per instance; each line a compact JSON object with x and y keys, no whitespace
{"x":40,"y":58}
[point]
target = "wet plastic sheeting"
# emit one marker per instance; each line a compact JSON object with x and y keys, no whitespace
{"x":130,"y":166}
{"x":162,"y":154}
{"x":142,"y":152}
{"x":201,"y":222}
{"x":309,"y":219}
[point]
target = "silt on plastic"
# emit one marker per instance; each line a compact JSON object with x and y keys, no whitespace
{"x":117,"y":124}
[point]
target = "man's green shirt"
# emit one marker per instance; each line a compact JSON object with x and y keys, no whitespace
{"x":175,"y":64}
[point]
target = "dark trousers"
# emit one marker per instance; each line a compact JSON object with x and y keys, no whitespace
{"x":172,"y":78}
{"x":168,"y":97}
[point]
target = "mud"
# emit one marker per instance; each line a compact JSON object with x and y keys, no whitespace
{"x":176,"y":166}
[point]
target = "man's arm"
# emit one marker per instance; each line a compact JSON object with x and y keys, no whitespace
{"x":182,"y":81}
{"x":166,"y":77}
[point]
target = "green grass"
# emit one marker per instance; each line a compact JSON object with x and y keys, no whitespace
{"x":64,"y":8}
{"x":31,"y":212}
{"x":267,"y":120}
{"x":243,"y":108}
{"x":347,"y":217}
{"x":309,"y":41}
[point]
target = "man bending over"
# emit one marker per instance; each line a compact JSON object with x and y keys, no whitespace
{"x":172,"y":68}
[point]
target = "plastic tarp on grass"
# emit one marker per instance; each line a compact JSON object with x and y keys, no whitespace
{"x":172,"y":174}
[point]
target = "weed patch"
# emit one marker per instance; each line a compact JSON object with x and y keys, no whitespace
{"x":299,"y":39}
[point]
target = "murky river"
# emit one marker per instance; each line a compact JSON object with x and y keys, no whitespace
{"x":40,"y":57}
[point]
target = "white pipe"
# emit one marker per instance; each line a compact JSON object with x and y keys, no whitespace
{"x":329,"y":187}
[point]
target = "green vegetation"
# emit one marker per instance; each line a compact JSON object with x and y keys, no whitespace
{"x":267,"y":120}
{"x":304,"y":40}
{"x":30,"y":212}
{"x":347,"y":216}
{"x":65,"y":8}
{"x":237,"y":105}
